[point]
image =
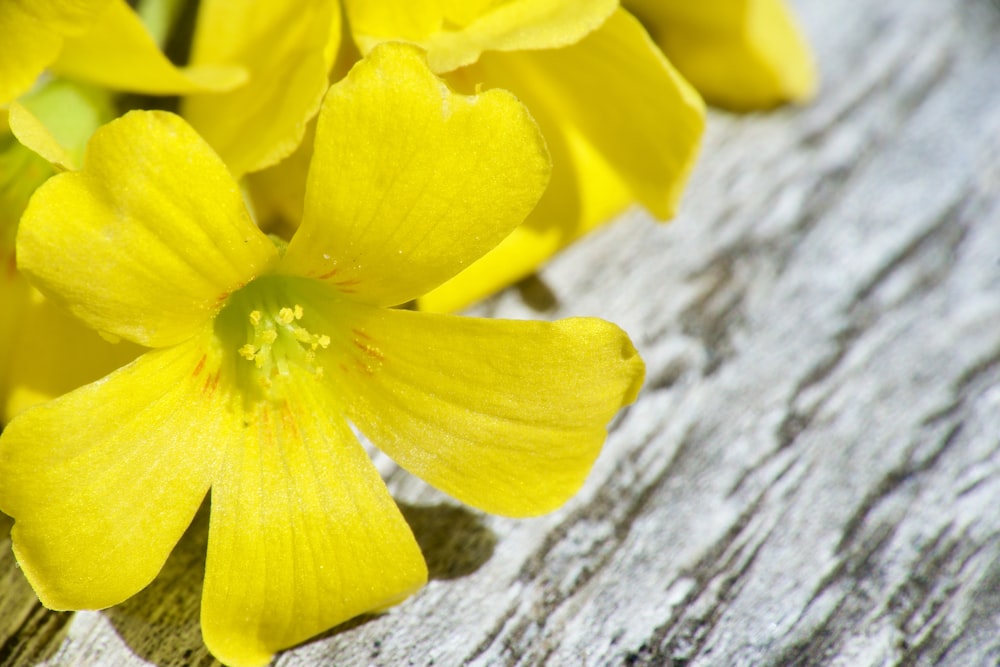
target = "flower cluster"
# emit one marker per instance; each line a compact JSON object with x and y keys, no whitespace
{"x":265,"y":243}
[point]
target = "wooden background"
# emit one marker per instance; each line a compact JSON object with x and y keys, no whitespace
{"x":811,"y":475}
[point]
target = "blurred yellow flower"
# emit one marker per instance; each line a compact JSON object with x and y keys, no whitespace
{"x":258,"y":70}
{"x":34,"y":30}
{"x":621,"y":125}
{"x":98,"y":41}
{"x":264,"y":356}
{"x":14,"y":290}
{"x":44,"y":352}
{"x":287,"y":48}
{"x":739,"y":54}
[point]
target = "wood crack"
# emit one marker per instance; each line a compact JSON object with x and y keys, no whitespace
{"x":605,"y":508}
{"x":718,"y":577}
{"x":890,"y":483}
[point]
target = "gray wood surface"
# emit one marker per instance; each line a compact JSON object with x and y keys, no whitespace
{"x":811,"y":475}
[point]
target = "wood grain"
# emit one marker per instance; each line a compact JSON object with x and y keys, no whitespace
{"x":811,"y":475}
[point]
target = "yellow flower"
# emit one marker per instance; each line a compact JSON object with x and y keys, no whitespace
{"x":288,"y":48}
{"x":263,"y":359}
{"x":34,"y":30}
{"x":43,"y":351}
{"x":98,"y":41}
{"x":275,"y":91}
{"x":621,"y":125}
{"x":14,"y":290}
{"x":739,"y":54}
{"x":257,"y":72}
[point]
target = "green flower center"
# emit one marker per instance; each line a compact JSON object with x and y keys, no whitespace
{"x":272,"y":348}
{"x":271,"y":328}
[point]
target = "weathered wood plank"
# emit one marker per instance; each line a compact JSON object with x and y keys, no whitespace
{"x":812,"y":473}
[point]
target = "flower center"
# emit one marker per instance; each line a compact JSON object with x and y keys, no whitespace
{"x":279,"y":338}
{"x":271,"y":332}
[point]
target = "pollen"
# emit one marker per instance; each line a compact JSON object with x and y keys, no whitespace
{"x":277,"y":341}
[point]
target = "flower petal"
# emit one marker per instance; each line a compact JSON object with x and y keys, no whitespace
{"x":14,"y":293}
{"x":505,"y":416}
{"x":54,"y":354}
{"x":148,"y":240}
{"x":103,"y":481}
{"x":33,"y":134}
{"x":118,"y":52}
{"x":620,"y":96}
{"x":21,"y":172}
{"x":57,"y":119}
{"x":622,"y":127}
{"x":288,"y":48}
{"x":410,"y":182}
{"x":32,"y":33}
{"x":740,"y":54}
{"x":303,"y":533}
{"x":278,"y":192}
{"x":457,"y":33}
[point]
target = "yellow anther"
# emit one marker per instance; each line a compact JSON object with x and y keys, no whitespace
{"x":271,"y":347}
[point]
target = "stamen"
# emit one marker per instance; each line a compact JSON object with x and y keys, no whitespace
{"x":272,"y":348}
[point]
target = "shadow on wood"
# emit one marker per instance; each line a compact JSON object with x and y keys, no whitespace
{"x":160,"y":624}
